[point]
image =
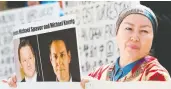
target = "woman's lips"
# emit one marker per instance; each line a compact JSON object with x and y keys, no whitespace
{"x":133,"y":46}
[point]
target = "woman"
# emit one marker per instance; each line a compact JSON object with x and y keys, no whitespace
{"x":135,"y":31}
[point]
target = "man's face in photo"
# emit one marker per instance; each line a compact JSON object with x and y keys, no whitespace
{"x":27,"y":60}
{"x":60,"y":60}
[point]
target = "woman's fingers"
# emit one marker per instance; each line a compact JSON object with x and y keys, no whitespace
{"x":14,"y":78}
{"x":83,"y":81}
{"x":5,"y":81}
{"x":12,"y":82}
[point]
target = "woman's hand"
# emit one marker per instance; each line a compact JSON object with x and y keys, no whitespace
{"x":12,"y":81}
{"x":83,"y":81}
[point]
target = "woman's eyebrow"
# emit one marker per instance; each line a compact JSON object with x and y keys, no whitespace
{"x":145,"y":26}
{"x":129,"y":23}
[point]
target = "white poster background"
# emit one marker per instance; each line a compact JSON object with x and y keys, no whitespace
{"x":128,"y":85}
{"x":96,"y":31}
{"x":44,"y":85}
{"x":92,"y":85}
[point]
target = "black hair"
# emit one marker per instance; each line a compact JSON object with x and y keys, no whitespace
{"x":65,"y":42}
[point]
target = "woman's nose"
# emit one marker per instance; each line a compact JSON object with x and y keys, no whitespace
{"x":135,"y":37}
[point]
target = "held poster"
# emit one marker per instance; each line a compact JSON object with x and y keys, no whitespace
{"x":47,"y":51}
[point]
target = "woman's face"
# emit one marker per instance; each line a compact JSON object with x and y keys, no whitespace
{"x":135,"y":36}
